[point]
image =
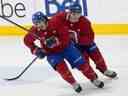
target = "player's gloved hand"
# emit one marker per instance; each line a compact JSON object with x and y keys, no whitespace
{"x":81,"y":48}
{"x":39,"y":53}
{"x":51,"y":42}
{"x":89,"y":48}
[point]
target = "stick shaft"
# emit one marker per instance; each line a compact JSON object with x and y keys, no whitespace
{"x":14,"y":23}
{"x":25,"y":69}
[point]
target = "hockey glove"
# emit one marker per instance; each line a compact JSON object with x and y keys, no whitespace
{"x":51,"y":42}
{"x":39,"y":53}
{"x":81,"y":48}
{"x":89,"y":48}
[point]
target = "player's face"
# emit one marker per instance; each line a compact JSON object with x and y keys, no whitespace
{"x":41,"y":25}
{"x":74,"y":17}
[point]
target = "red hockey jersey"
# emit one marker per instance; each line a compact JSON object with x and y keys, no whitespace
{"x":60,"y":33}
{"x":82,"y":28}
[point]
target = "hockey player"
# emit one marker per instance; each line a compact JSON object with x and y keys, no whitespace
{"x":57,"y":46}
{"x":82,"y":34}
{"x":85,"y":39}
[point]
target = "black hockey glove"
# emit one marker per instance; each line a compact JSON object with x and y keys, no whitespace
{"x":81,"y":48}
{"x":51,"y":42}
{"x":39,"y":53}
{"x":89,"y":48}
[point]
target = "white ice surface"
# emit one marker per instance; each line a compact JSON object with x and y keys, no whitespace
{"x":42,"y":80}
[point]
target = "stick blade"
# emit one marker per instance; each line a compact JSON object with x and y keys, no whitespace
{"x":11,"y":79}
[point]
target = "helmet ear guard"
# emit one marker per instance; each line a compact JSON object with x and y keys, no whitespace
{"x":38,"y":17}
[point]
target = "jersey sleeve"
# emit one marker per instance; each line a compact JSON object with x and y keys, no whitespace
{"x":86,"y":30}
{"x":29,"y":40}
{"x":58,"y":19}
{"x":57,"y":23}
{"x":64,"y":35}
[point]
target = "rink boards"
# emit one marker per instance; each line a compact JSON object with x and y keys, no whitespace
{"x":100,"y":29}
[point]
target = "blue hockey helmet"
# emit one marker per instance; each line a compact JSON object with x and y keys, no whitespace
{"x":74,"y":7}
{"x":38,"y":17}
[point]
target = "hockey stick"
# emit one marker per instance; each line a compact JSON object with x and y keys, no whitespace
{"x":14,"y":23}
{"x":32,"y":60}
{"x":25,"y":29}
{"x":18,"y":76}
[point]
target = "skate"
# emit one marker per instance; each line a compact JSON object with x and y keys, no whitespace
{"x":77,"y":88}
{"x":110,"y":74}
{"x":98,"y":83}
